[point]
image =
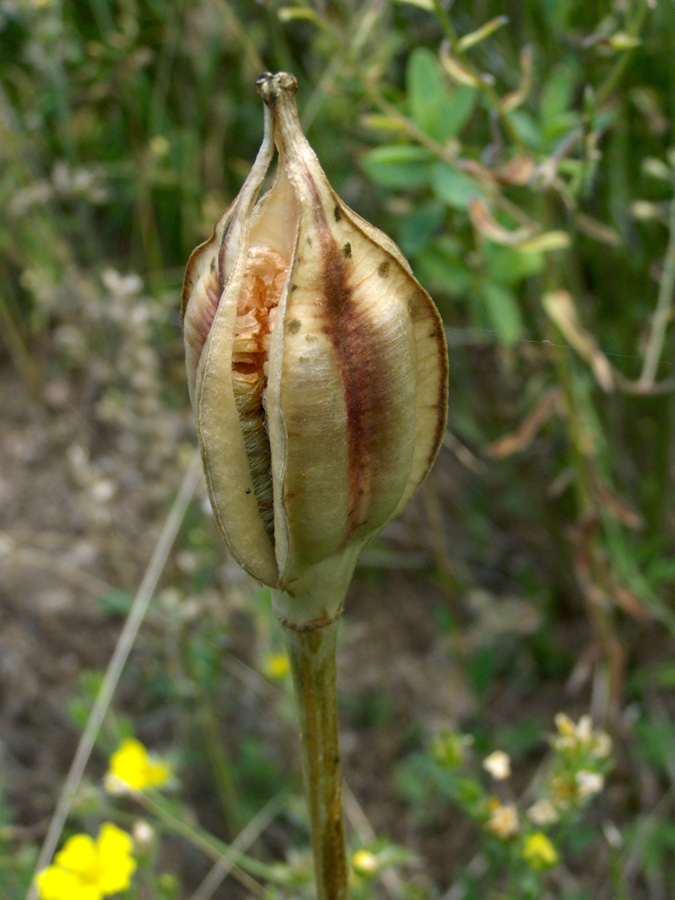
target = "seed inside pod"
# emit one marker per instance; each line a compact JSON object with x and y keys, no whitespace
{"x":264,"y":277}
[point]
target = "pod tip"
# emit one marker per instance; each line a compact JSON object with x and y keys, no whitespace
{"x":270,"y":86}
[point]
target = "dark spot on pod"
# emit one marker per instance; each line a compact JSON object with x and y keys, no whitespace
{"x":309,"y":241}
{"x":417,"y":310}
{"x":383,"y":268}
{"x":294,"y":326}
{"x":310,"y":338}
{"x":293,"y":287}
{"x":248,"y":490}
{"x":337,"y":213}
{"x":347,"y":249}
{"x":213,"y":264}
{"x":336,"y":760}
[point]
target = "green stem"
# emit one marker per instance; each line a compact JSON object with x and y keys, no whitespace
{"x":486,"y":89}
{"x":312,"y":654}
{"x":208,"y":844}
{"x":664,"y":307}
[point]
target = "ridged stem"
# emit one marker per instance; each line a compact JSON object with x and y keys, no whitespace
{"x":311,"y":652}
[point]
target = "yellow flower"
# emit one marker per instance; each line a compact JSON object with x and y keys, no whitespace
{"x":539,"y":852}
{"x":132,"y":768}
{"x":276,"y":666}
{"x":365,"y":862}
{"x":89,"y":870}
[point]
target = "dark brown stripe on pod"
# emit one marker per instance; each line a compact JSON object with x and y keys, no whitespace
{"x":361,"y":356}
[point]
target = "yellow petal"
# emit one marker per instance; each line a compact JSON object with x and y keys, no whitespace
{"x":117,"y":877}
{"x":87,"y":891}
{"x":113,"y":844}
{"x":132,"y":765}
{"x":115,"y":860}
{"x":128,"y":762}
{"x":78,"y":855}
{"x":55,"y":883}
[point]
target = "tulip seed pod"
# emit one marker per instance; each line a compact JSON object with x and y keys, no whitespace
{"x":317,"y":369}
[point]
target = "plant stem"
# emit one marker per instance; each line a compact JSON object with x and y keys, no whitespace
{"x":312,"y":655}
{"x":487,"y":90}
{"x":664,"y":307}
{"x":240,"y":864}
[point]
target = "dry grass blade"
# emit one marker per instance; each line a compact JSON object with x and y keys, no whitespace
{"x":560,"y":307}
{"x":664,"y":308}
{"x":118,"y":661}
{"x":358,"y":820}
{"x":242,"y":842}
{"x":528,"y":429}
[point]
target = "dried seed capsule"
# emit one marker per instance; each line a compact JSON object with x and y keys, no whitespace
{"x":317,"y":369}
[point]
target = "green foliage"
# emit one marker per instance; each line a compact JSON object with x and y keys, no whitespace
{"x":438,"y":112}
{"x":398,"y":165}
{"x":528,"y":173}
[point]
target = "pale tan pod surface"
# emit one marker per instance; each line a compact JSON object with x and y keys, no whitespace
{"x":346,"y":397}
{"x":201,"y":296}
{"x":356,"y":395}
{"x":214,"y":274}
{"x":226,"y":465}
{"x":431,"y":366}
{"x":376,"y":343}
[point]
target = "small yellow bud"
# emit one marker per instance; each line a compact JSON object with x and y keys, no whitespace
{"x":539,"y":852}
{"x":449,"y":749}
{"x":365,"y":863}
{"x":277,"y":666}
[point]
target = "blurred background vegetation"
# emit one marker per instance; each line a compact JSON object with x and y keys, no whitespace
{"x":522,"y":155}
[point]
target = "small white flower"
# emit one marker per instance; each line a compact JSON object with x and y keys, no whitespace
{"x":498,"y":764}
{"x":589,"y":783}
{"x":503,"y":821}
{"x":612,"y":835}
{"x":143,"y":833}
{"x":602,"y":745}
{"x":543,"y":812}
{"x":585,"y":729}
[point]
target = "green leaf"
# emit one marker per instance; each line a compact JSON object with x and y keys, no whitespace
{"x":411,"y":778}
{"x":397,"y":165}
{"x":508,"y":265}
{"x":425,"y":86}
{"x":417,"y":228}
{"x":459,"y":108}
{"x":504,"y":312}
{"x":528,"y":129}
{"x":557,"y":94}
{"x":116,"y":602}
{"x":441,"y":266}
{"x":656,"y":738}
{"x":453,"y":187}
{"x":439,"y":111}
